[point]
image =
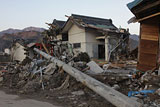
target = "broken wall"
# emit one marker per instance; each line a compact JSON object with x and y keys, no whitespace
{"x":18,"y":52}
{"x":116,"y":45}
{"x":133,"y":42}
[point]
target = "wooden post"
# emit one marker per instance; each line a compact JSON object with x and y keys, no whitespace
{"x":116,"y":98}
{"x":44,"y":46}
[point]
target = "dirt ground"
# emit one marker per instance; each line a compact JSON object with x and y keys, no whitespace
{"x":19,"y":81}
{"x":7,"y":100}
{"x":64,"y":98}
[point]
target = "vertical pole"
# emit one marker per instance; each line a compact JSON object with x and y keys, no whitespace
{"x":107,"y":48}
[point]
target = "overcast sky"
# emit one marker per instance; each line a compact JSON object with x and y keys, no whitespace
{"x":19,"y":14}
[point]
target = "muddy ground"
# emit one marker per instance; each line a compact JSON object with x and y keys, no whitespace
{"x":8,"y":100}
{"x":17,"y":80}
{"x":76,"y":95}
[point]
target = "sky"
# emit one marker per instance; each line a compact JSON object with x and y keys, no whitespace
{"x":19,"y":14}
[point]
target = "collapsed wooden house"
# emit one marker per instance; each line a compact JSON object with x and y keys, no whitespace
{"x":147,"y":13}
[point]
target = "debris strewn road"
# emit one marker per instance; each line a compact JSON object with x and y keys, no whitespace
{"x":15,"y":101}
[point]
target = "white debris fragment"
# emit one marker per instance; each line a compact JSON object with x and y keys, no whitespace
{"x":94,"y":67}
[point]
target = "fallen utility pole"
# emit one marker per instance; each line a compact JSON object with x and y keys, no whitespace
{"x":116,"y":98}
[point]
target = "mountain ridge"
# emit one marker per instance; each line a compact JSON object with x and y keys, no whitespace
{"x":29,"y":34}
{"x":12,"y":30}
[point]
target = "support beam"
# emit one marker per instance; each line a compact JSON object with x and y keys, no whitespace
{"x":116,"y":98}
{"x":44,"y":46}
{"x":147,"y":17}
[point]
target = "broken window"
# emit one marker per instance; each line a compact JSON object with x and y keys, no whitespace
{"x":65,"y":37}
{"x":77,"y":45}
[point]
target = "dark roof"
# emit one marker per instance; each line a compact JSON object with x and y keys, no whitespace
{"x":94,"y":21}
{"x":58,"y":23}
{"x":144,"y":8}
{"x":134,"y":3}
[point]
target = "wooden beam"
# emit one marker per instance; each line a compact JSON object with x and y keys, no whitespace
{"x":44,"y":46}
{"x":100,"y":37}
{"x":153,"y":15}
{"x":116,"y":98}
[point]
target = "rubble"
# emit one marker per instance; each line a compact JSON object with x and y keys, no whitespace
{"x":158,"y":71}
{"x":116,"y":87}
{"x":158,"y":91}
{"x":1,"y":79}
{"x":78,"y":92}
{"x":94,"y":67}
{"x":55,"y":69}
{"x":50,"y":81}
{"x":25,"y":81}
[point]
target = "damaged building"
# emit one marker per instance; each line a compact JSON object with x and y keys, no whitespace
{"x":58,"y":24}
{"x":18,"y":51}
{"x":147,"y":13}
{"x":51,"y":69}
{"x":99,"y":37}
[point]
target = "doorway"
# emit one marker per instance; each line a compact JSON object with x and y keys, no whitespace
{"x":101,"y":51}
